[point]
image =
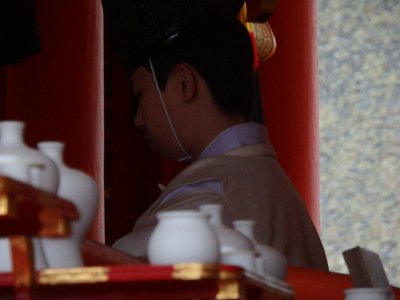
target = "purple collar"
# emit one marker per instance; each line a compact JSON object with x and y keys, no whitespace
{"x":235,"y":137}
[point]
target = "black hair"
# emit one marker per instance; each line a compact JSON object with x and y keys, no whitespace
{"x":222,"y":54}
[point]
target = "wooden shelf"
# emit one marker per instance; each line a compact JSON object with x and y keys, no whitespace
{"x":182,"y":281}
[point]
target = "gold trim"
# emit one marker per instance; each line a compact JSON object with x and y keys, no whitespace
{"x":53,"y":223}
{"x":194,"y":271}
{"x":249,"y":26}
{"x":22,"y":260}
{"x":74,"y":275}
{"x":230,"y":289}
{"x":4,"y":204}
{"x":227,"y":275}
{"x":242,"y":16}
{"x":229,"y":285}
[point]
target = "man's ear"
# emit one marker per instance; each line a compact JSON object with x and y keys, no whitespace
{"x":185,"y":81}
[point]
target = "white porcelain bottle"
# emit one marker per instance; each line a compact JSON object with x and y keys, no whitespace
{"x":182,"y":237}
{"x":270,"y":261}
{"x":229,"y":239}
{"x":20,"y":162}
{"x":25,"y":164}
{"x":80,"y":189}
{"x":235,"y":248}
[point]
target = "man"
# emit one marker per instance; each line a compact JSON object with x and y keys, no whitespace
{"x":192,"y":78}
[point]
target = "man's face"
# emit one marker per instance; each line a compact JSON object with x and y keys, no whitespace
{"x":150,"y":115}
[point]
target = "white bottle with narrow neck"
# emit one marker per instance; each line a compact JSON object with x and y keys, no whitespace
{"x":25,"y":164}
{"x":81,"y":190}
{"x":235,"y":248}
{"x":229,"y":239}
{"x":269,"y":261}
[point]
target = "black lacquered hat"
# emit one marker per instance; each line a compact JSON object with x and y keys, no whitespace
{"x":138,"y":28}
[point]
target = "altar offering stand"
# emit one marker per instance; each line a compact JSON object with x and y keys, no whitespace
{"x":27,"y":212}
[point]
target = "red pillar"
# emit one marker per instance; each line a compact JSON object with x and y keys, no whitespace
{"x":289,"y":84}
{"x":58,"y":93}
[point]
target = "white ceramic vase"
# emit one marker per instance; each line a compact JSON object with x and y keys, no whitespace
{"x":268,"y":261}
{"x":20,"y":162}
{"x":25,"y":164}
{"x":235,"y":248}
{"x":82,"y":191}
{"x":182,"y":237}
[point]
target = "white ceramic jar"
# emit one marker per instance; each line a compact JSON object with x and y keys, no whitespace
{"x":81,"y":190}
{"x":25,"y":164}
{"x":268,"y":261}
{"x":182,"y":237}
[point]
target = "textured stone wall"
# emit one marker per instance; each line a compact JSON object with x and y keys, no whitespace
{"x":359,"y":66}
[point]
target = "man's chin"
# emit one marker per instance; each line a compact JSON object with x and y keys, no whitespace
{"x":155,"y":149}
{"x":166,"y":154}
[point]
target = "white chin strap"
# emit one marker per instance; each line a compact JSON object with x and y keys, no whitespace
{"x":187,"y":156}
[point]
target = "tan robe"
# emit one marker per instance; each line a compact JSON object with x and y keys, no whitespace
{"x":254,"y":187}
